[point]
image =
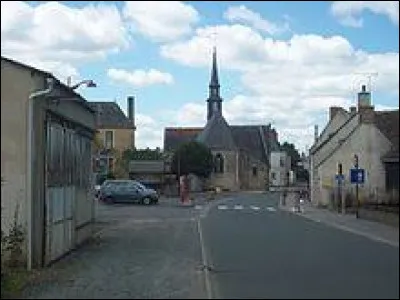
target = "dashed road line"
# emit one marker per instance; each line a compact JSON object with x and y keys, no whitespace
{"x":222,"y":207}
{"x":253,"y":207}
{"x":238,"y":206}
{"x":270,"y":208}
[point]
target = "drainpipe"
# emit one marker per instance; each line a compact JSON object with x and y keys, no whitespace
{"x":30,"y":167}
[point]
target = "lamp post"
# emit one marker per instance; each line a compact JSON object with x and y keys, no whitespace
{"x":87,"y":82}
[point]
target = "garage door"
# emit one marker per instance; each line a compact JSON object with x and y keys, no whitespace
{"x":68,"y":165}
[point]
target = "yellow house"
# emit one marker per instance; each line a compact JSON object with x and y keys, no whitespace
{"x":115,"y":133}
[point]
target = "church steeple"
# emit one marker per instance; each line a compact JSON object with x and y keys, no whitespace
{"x":214,"y":101}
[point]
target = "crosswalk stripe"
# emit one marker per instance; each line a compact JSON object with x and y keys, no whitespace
{"x":271,"y":208}
{"x":238,"y":207}
{"x":254,"y":207}
{"x":222,"y":207}
{"x":198,"y":207}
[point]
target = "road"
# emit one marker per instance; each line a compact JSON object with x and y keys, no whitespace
{"x":240,"y":246}
{"x":255,"y":250}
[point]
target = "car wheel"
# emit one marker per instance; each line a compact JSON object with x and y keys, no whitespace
{"x":146,"y":201}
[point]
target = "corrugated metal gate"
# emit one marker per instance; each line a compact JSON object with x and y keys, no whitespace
{"x":68,"y":167}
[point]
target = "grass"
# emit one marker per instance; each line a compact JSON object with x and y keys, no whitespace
{"x":13,"y":281}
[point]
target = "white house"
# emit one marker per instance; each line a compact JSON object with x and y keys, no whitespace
{"x":280,"y":169}
{"x":371,"y":135}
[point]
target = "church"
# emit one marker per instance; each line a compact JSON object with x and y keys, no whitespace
{"x":241,"y":152}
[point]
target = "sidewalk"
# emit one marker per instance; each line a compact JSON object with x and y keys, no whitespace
{"x":373,"y":230}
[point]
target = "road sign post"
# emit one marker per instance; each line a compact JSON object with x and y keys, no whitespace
{"x":357,"y":176}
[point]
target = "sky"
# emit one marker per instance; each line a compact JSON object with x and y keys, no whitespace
{"x":283,"y":63}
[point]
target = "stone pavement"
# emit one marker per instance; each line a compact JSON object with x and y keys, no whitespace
{"x":373,"y":230}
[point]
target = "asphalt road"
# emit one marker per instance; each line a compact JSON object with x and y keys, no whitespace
{"x":254,"y":250}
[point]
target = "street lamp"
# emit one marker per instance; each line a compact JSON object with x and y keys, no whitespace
{"x":87,"y":82}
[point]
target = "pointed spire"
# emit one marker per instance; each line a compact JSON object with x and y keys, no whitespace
{"x":214,"y":71}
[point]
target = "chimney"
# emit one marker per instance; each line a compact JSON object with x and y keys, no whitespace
{"x":364,"y":97}
{"x":333,"y":110}
{"x":315,"y":133}
{"x":131,"y":117}
{"x":353,"y":110}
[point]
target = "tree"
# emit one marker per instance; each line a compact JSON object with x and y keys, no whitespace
{"x":292,"y":153}
{"x":192,"y":157}
{"x":301,"y":173}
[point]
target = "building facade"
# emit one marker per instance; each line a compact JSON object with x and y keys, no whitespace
{"x":373,"y":136}
{"x":115,"y":133}
{"x":46,"y":136}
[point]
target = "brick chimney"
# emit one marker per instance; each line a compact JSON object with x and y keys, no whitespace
{"x":333,"y":110}
{"x":353,"y":110}
{"x":365,"y":109}
{"x":131,"y":117}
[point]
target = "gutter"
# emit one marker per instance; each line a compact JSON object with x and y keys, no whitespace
{"x":30,"y":167}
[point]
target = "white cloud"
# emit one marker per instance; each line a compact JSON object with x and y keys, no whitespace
{"x":349,"y":12}
{"x":58,"y":37}
{"x":289,"y":83}
{"x":149,"y":132}
{"x":161,"y":21}
{"x":243,"y":14}
{"x":140,"y":78}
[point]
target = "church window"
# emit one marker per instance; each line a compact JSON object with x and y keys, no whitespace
{"x":254,"y":169}
{"x":219,"y":163}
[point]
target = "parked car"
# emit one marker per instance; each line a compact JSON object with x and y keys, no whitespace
{"x":127,"y":191}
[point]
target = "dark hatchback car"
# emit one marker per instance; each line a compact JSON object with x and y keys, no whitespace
{"x":126,"y":191}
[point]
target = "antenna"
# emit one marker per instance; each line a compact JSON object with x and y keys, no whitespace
{"x":369,"y":76}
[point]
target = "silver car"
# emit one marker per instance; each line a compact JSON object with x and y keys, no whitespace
{"x":127,"y":191}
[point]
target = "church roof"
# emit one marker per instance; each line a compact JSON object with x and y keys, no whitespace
{"x":176,"y":136}
{"x":217,"y":134}
{"x":214,"y":82}
{"x":245,"y":137}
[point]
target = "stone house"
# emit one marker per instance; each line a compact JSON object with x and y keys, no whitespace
{"x":371,"y":135}
{"x":115,"y":133}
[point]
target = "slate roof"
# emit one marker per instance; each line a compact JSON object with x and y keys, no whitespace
{"x":176,"y":136}
{"x":217,"y":134}
{"x":245,"y":137}
{"x":388,"y":123}
{"x":110,"y":115}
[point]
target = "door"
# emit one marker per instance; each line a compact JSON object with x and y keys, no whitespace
{"x":67,"y":170}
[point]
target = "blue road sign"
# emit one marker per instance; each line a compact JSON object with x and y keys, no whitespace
{"x":357,"y":176}
{"x":339,"y":178}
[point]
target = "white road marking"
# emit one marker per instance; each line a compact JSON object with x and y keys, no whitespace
{"x":238,"y":207}
{"x":254,"y":207}
{"x":222,"y":207}
{"x":198,"y":207}
{"x":204,"y":261}
{"x":269,"y":208}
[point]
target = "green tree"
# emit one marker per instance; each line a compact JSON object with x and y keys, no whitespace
{"x":192,"y":157}
{"x":301,"y":173}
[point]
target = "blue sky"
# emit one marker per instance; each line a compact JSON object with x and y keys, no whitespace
{"x":280,"y":62}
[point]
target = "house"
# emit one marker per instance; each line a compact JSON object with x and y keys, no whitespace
{"x":46,"y":136}
{"x":241,"y":153}
{"x":280,"y":164}
{"x":371,"y":136}
{"x":115,"y":133}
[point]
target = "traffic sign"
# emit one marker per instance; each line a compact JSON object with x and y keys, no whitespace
{"x":357,"y":176}
{"x":339,"y":178}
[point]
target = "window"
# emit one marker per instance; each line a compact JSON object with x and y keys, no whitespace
{"x":110,"y":164}
{"x":282,"y":162}
{"x":109,"y":139}
{"x":273,"y":175}
{"x":219,"y":163}
{"x":254,"y":169}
